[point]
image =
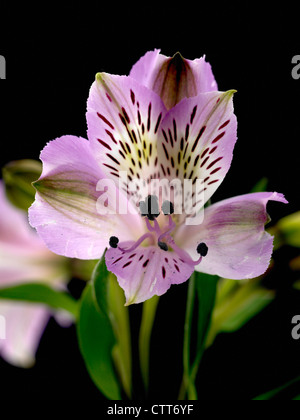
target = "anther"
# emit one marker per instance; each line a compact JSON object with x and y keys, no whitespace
{"x":150,"y":207}
{"x":113,"y":241}
{"x":163,"y":246}
{"x":167,"y":207}
{"x":202,"y":249}
{"x":153,"y":208}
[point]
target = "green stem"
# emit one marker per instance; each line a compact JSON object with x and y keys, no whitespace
{"x":187,"y":387}
{"x":119,"y":317}
{"x":148,"y":316}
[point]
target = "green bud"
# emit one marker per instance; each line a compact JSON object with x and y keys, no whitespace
{"x":18,"y":177}
{"x":289,"y":229}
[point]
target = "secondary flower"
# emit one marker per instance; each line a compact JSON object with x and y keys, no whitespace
{"x":23,"y":258}
{"x":164,"y":121}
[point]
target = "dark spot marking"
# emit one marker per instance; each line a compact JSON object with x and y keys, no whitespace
{"x":117,"y":260}
{"x":204,"y":162}
{"x":198,"y":137}
{"x":146,"y":263}
{"x":104,"y":144}
{"x":113,"y":159}
{"x":132,"y":96}
{"x":187,"y":132}
{"x":224,"y":125}
{"x":193,"y":114}
{"x":196,"y":160}
{"x":149,"y":117}
{"x":213,"y":149}
{"x":127,"y":264}
{"x":215,"y":170}
{"x":214,"y":162}
{"x":126,"y":115}
{"x":110,"y":167}
{"x":218,"y":137}
{"x":166,"y":152}
{"x":105,"y":120}
{"x":204,"y":153}
{"x":111,"y":136}
{"x":174,"y":129}
{"x":212,"y":182}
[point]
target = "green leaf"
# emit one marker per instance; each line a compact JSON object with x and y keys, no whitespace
{"x":104,"y":333}
{"x":18,"y":177}
{"x":96,"y":341}
{"x":289,"y":228}
{"x":236,"y":303}
{"x":43,"y":294}
{"x":261,"y":185}
{"x":111,"y":300}
{"x":274,"y":392}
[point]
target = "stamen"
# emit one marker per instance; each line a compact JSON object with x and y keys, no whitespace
{"x":186,"y":258}
{"x":149,"y":207}
{"x":138,"y":242}
{"x":154,"y":228}
{"x":167,"y":207}
{"x":153,"y":208}
{"x":171,"y":227}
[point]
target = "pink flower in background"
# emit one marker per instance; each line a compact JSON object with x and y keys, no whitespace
{"x":164,"y":121}
{"x":23,"y":258}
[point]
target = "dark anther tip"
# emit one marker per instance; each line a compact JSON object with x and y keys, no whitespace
{"x":152,"y":216}
{"x":202,"y":249}
{"x":167,"y":207}
{"x":113,"y":241}
{"x":163,"y":246}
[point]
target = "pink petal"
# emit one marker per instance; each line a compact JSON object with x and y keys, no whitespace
{"x":173,"y":78}
{"x":197,"y":141}
{"x":21,"y":250}
{"x":24,"y":326}
{"x":123,"y":121}
{"x":14,"y":228}
{"x":147,"y":271}
{"x":233,"y":230}
{"x":66,"y":212}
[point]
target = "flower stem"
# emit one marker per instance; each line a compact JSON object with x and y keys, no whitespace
{"x":187,"y":387}
{"x":119,"y":317}
{"x":148,"y":316}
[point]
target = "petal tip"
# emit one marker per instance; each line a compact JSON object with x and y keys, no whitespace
{"x":280,"y":197}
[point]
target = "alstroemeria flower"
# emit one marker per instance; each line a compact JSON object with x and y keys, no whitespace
{"x":23,"y":258}
{"x":158,"y":123}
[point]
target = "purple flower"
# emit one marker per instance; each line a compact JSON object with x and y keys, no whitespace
{"x":23,"y":258}
{"x":166,"y":121}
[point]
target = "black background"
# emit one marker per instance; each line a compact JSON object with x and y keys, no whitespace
{"x":53,"y":53}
